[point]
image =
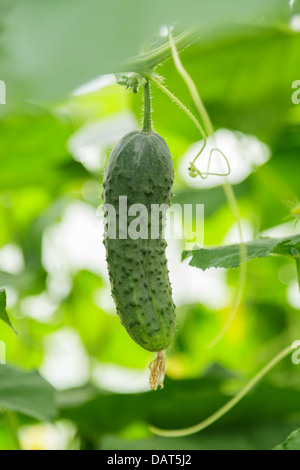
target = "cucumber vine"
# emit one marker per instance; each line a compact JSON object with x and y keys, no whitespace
{"x":230,"y":404}
{"x":146,"y":73}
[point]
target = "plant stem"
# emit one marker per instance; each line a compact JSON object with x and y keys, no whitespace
{"x":191,"y":86}
{"x":145,"y":63}
{"x":232,"y":202}
{"x":229,"y":193}
{"x":147,"y":108}
{"x":229,"y":405}
{"x":13,"y":425}
{"x":298,"y":270}
{"x":180,"y":104}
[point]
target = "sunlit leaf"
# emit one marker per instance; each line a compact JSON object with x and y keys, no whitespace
{"x":3,"y":313}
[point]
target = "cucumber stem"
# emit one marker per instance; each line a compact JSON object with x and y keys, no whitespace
{"x":147,"y":128}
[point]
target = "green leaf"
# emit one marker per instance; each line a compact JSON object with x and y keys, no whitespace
{"x":72,"y":43}
{"x":3,"y":313}
{"x":27,"y":393}
{"x":292,"y":442}
{"x":229,"y":256}
{"x":255,"y":437}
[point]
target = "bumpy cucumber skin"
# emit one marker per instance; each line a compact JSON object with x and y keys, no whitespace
{"x":140,"y":167}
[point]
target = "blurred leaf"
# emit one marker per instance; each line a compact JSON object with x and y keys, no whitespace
{"x":7,"y":441}
{"x":26,"y":282}
{"x":3,"y":313}
{"x":259,"y":436}
{"x":52,"y":47}
{"x":34,"y":152}
{"x":281,"y":172}
{"x":229,"y":256}
{"x":180,"y":404}
{"x":212,"y":198}
{"x":292,"y":442}
{"x":27,"y":393}
{"x":32,"y":242}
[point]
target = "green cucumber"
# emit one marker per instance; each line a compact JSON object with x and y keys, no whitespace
{"x":140,"y":167}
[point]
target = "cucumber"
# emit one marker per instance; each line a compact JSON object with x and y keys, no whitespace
{"x":140,"y":167}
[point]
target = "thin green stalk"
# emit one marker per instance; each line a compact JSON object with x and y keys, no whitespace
{"x":199,"y":127}
{"x":147,"y":127}
{"x":180,"y":104}
{"x":12,"y":422}
{"x":229,"y":405}
{"x":191,"y":86}
{"x":231,"y":199}
{"x":144,"y":63}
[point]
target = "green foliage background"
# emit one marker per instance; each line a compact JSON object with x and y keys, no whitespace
{"x":244,"y":62}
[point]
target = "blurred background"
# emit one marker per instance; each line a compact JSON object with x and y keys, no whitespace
{"x":63,"y":114}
